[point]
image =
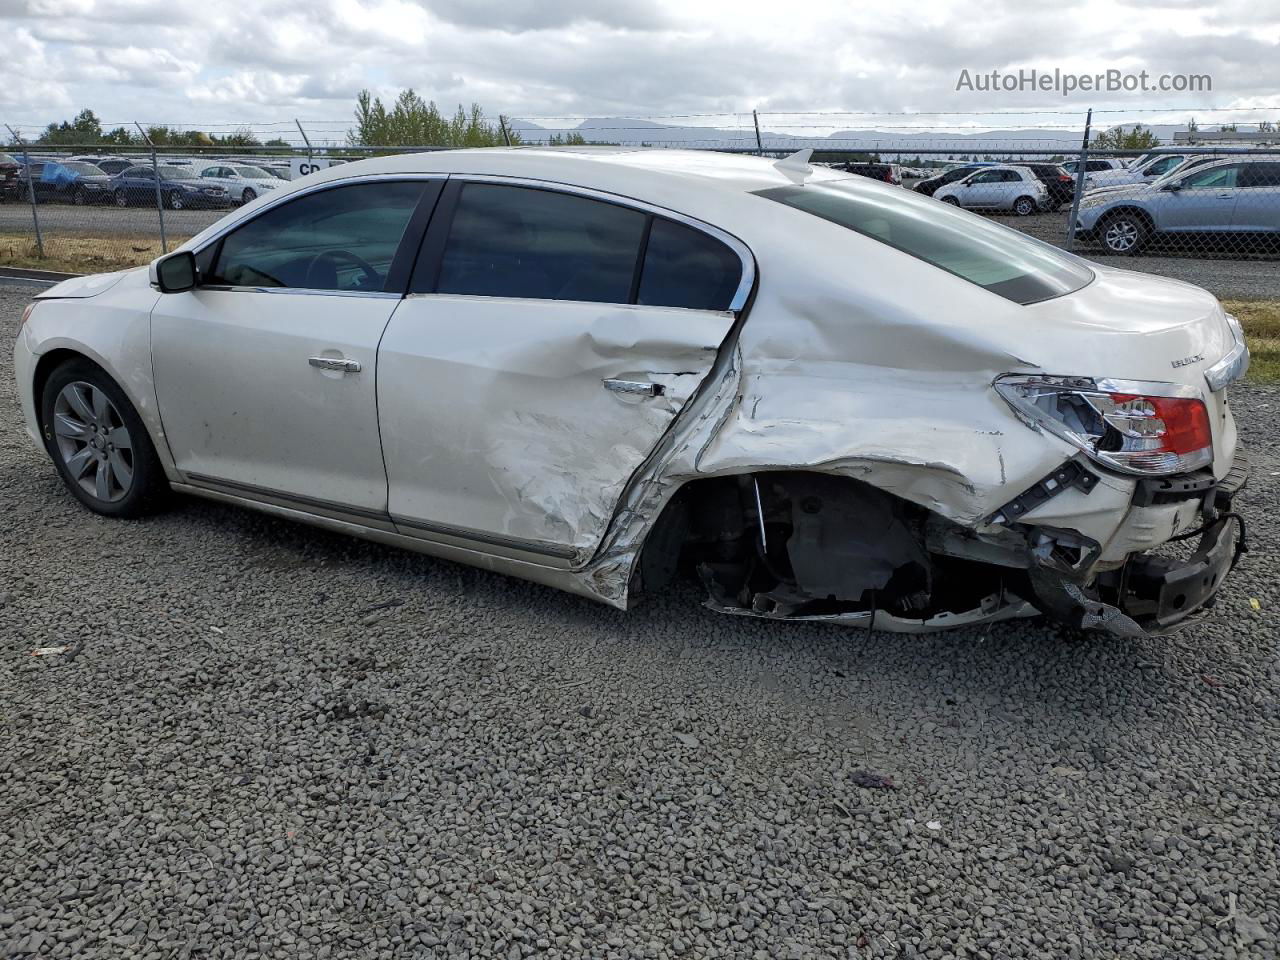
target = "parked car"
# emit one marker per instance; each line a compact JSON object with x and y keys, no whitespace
{"x":1058,"y":184}
{"x":822,"y":397}
{"x":243,"y":183}
{"x":108,"y":165}
{"x":179,"y":188}
{"x":930,"y":185}
{"x":1094,"y":165}
{"x":997,"y":188}
{"x":1147,"y":171}
{"x":884,"y":172}
{"x":9,"y":171}
{"x":1232,"y":197}
{"x":68,"y":181}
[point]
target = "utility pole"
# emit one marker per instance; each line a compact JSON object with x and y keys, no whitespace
{"x":31,"y":190}
{"x":506,"y":135}
{"x":1080,"y":168}
{"x":310,"y":153}
{"x":155,"y":171}
{"x":755,"y":118}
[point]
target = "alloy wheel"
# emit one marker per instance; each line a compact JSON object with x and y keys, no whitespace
{"x":1121,"y":235}
{"x":175,"y":200}
{"x":93,"y":441}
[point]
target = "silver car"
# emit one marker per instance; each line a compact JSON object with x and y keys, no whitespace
{"x":1240,"y":196}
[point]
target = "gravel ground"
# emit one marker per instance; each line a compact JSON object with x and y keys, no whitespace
{"x":251,"y":753}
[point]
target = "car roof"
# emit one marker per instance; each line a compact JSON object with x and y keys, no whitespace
{"x":593,"y":166}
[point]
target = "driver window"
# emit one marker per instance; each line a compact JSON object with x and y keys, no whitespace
{"x":989,"y":177}
{"x":339,"y":239}
{"x":1217,"y":177}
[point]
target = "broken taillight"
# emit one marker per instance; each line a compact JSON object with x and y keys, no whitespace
{"x":1149,"y":429}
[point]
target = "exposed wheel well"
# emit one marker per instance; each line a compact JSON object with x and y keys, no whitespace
{"x":800,"y":542}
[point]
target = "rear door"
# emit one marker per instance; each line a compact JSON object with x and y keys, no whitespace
{"x":266,"y":372}
{"x":551,"y":337}
{"x":1258,"y":203}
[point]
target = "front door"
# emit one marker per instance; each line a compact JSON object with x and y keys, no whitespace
{"x":1205,"y":200}
{"x":266,"y":372}
{"x":553,"y":339}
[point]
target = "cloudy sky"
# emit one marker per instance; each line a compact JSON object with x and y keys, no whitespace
{"x":200,"y":63}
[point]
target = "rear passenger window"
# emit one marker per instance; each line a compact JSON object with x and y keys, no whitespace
{"x":1261,"y":175}
{"x":540,"y":244}
{"x":684,"y":267}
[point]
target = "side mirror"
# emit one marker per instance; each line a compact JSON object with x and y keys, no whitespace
{"x":176,"y":272}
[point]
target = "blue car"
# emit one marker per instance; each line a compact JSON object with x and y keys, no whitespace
{"x":1235,"y":198}
{"x":180,"y":188}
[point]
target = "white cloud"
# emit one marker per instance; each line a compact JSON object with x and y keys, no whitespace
{"x":190,"y":62}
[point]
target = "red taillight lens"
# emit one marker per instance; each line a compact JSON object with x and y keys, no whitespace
{"x":1141,"y":433}
{"x":1065,"y":179}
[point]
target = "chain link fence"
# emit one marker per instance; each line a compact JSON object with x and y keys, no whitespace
{"x":1192,"y":209}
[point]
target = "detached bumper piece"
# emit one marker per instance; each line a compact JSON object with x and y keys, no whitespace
{"x":1152,"y":594}
{"x":1158,"y":593}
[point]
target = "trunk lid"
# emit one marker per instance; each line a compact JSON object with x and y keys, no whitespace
{"x":1135,"y":326}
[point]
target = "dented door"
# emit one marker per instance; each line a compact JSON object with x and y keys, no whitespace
{"x":516,"y":423}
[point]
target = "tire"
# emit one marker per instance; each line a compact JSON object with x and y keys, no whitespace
{"x":98,"y":443}
{"x":248,"y":196}
{"x":1124,"y":234}
{"x":951,"y":200}
{"x":1024,"y":206}
{"x":78,"y":197}
{"x":176,"y":200}
{"x":122,"y":198}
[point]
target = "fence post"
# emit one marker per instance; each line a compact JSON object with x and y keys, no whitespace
{"x":155,"y":171}
{"x":310,"y":153}
{"x":506,"y":136}
{"x":31,"y":190}
{"x":1080,"y":170}
{"x":755,"y":118}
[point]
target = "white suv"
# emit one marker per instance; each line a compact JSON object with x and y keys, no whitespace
{"x":997,"y":188}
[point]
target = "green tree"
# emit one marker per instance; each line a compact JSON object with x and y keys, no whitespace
{"x":1118,"y":138}
{"x":414,"y":122}
{"x":83,"y":128}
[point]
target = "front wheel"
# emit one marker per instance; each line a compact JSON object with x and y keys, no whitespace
{"x":1024,"y":206}
{"x":176,"y":200}
{"x":951,"y":200}
{"x":78,"y":198}
{"x":122,"y":198}
{"x":248,"y":196}
{"x":98,"y":442}
{"x":1124,"y":234}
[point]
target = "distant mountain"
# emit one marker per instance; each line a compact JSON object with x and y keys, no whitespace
{"x":629,"y":132}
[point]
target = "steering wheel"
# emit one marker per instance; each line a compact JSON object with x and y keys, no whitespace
{"x":372,"y":277}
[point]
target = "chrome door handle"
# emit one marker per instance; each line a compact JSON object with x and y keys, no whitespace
{"x":332,"y":363}
{"x":641,"y":388}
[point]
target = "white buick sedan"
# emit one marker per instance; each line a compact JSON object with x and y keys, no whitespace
{"x":823,"y":397}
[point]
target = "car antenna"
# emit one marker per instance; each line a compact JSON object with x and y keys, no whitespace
{"x":796,"y":166}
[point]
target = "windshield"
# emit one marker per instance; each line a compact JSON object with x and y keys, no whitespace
{"x":84,"y":169}
{"x":996,"y":258}
{"x":253,"y":173}
{"x":175,"y":173}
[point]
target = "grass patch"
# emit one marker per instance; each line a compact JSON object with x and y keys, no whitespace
{"x":1261,"y":322}
{"x":81,"y":254}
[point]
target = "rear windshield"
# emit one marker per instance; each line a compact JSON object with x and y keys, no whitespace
{"x":996,"y":258}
